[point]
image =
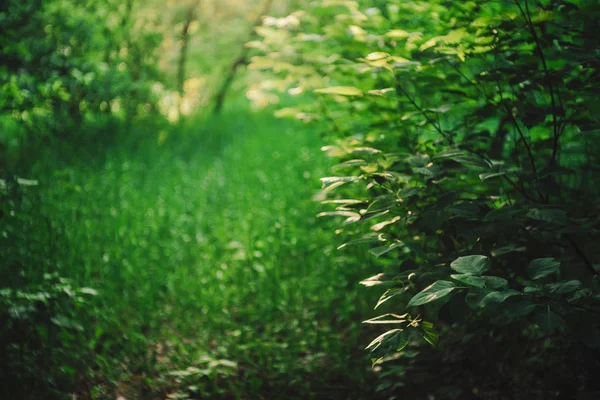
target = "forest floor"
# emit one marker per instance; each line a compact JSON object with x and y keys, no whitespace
{"x":215,"y":278}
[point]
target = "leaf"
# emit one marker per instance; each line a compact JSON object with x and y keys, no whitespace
{"x":475,"y":265}
{"x":542,"y":267}
{"x":425,"y":171}
{"x":27,"y":182}
{"x":506,"y":250}
{"x":450,"y":153}
{"x":397,"y":34}
{"x":380,"y":92}
{"x":349,"y":214}
{"x":64,"y":322}
{"x":90,"y":291}
{"x":381,"y":225}
{"x":350,"y":163}
{"x":470,"y":280}
{"x":489,"y":282}
{"x":364,"y":239}
{"x":503,"y":214}
{"x":549,"y":321}
{"x":390,"y":293}
{"x":518,"y":308}
{"x":365,"y":150}
{"x":387,"y":319}
{"x":490,"y":175}
{"x":470,"y":160}
{"x":390,"y":342}
{"x":482,"y":298}
{"x":494,"y":298}
{"x":341,"y":91}
{"x":548,"y":215}
{"x":379,"y":279}
{"x":430,"y":335}
{"x":334,"y":179}
{"x":432,"y":292}
{"x":381,"y":250}
{"x":495,"y":282}
{"x":564,"y":287}
{"x":378,"y":55}
{"x":442,"y":109}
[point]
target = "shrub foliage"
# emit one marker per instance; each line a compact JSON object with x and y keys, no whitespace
{"x":467,"y":140}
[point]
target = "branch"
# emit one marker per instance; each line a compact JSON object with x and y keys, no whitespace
{"x":241,"y":60}
{"x":555,"y":123}
{"x":400,"y":89}
{"x":516,"y":124}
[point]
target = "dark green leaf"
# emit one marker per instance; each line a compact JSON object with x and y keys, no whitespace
{"x":470,"y":280}
{"x":549,"y":321}
{"x":542,"y":267}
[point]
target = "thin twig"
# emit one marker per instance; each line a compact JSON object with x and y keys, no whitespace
{"x":555,"y":123}
{"x":516,"y":124}
{"x":581,"y":254}
{"x":401,"y":90}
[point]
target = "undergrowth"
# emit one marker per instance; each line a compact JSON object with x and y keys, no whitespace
{"x":195,"y":266}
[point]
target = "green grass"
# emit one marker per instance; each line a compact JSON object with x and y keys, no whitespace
{"x":215,"y":279}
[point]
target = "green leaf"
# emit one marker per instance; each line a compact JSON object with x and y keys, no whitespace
{"x":90,"y":291}
{"x":430,"y":335}
{"x":542,"y":267}
{"x":564,"y":287}
{"x":390,"y":293}
{"x":495,"y":282}
{"x":64,"y":322}
{"x":391,"y":341}
{"x":518,"y":308}
{"x":548,"y":215}
{"x":490,"y":175}
{"x":494,"y":298}
{"x":475,"y":265}
{"x":470,"y":280}
{"x":378,"y":55}
{"x":341,"y":91}
{"x":470,"y":160}
{"x":364,"y":239}
{"x":489,"y":282}
{"x":549,"y":321}
{"x":482,"y":298}
{"x":433,"y":292}
{"x":381,"y":250}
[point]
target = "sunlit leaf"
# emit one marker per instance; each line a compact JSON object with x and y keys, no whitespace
{"x":341,"y":91}
{"x":433,"y":292}
{"x":475,"y":265}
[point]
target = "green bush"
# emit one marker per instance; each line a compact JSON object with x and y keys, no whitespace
{"x":43,"y":344}
{"x":65,"y":60}
{"x":468,"y":145}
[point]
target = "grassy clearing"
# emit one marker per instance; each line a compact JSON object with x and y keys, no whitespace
{"x":214,"y":277}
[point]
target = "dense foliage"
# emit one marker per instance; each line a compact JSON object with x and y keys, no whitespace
{"x":467,"y":140}
{"x":64,"y":60}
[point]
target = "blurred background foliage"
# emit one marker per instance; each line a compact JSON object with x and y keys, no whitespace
{"x":161,"y":232}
